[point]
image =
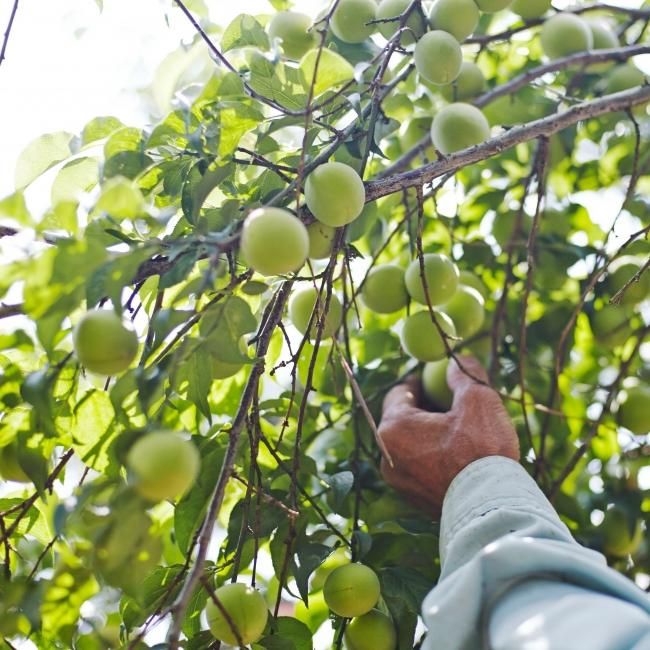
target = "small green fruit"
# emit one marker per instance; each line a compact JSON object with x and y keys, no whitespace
{"x":469,"y":279}
{"x":470,"y":84}
{"x":302,"y":305}
{"x":438,"y":58}
{"x":441,"y":276}
{"x":434,"y":384}
{"x":467,"y":310}
{"x":634,"y":413}
{"x":274,"y":241}
{"x":604,"y":38}
{"x":492,"y":6}
{"x":351,"y":590}
{"x":415,"y":23}
{"x":247,"y":610}
{"x":458,"y":17}
{"x":384,"y":290}
{"x":421,"y":338}
{"x":292,"y":29}
{"x":624,"y":77}
{"x":565,"y":34}
{"x":415,"y":130}
{"x":350,"y":20}
{"x":335,"y":194}
{"x":619,"y":538}
{"x":321,"y":240}
{"x":10,"y":469}
{"x":372,"y":631}
{"x":459,"y":126}
{"x":103,"y":344}
{"x":164,"y":465}
{"x":529,"y":9}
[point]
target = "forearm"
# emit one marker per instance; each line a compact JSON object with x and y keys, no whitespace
{"x":499,"y":533}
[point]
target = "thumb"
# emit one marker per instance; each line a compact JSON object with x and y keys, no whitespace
{"x":465,"y":371}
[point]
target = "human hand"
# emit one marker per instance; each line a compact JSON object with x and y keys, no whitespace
{"x":429,"y":449}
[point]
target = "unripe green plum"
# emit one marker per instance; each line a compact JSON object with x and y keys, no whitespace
{"x":634,"y":413}
{"x":321,"y":240}
{"x":470,"y":84}
{"x":415,"y":130}
{"x":619,"y":538}
{"x":384,"y":290}
{"x":103,"y":344}
{"x":302,"y":305}
{"x":459,"y":126}
{"x":274,"y":241}
{"x":10,"y":469}
{"x":335,"y":194}
{"x":415,"y":22}
{"x":458,"y":17}
{"x":351,"y":590}
{"x":604,"y":38}
{"x":350,"y":20}
{"x":441,"y":276}
{"x":372,"y":631}
{"x":565,"y":34}
{"x":470,"y":279}
{"x":492,"y":6}
{"x":421,"y":338}
{"x":435,"y":386}
{"x":438,"y":58}
{"x":610,"y":325}
{"x":517,"y":109}
{"x":164,"y":465}
{"x":467,"y":310}
{"x":529,"y":9}
{"x":292,"y":29}
{"x":635,"y":292}
{"x":247,"y":610}
{"x":504,"y":225}
{"x":624,"y":77}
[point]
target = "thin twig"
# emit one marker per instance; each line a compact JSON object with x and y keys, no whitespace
{"x":8,"y":31}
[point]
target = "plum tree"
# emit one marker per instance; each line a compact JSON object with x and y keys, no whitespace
{"x":246,"y":609}
{"x":274,"y":241}
{"x":435,"y":386}
{"x":294,"y":31}
{"x":103,"y":344}
{"x":529,"y":9}
{"x":621,"y":536}
{"x":565,"y":34}
{"x":10,"y":469}
{"x":458,"y":126}
{"x":335,"y":194}
{"x":441,"y":276}
{"x":458,"y":17}
{"x":303,"y":303}
{"x":372,"y":631}
{"x":422,"y":339}
{"x":438,"y":57}
{"x":467,"y":309}
{"x":492,"y":6}
{"x":384,"y":290}
{"x":351,"y":18}
{"x":415,"y":23}
{"x":634,"y":412}
{"x":321,"y":240}
{"x":351,"y":590}
{"x":164,"y":465}
{"x":469,"y":84}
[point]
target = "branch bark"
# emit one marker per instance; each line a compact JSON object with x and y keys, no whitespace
{"x":10,"y":24}
{"x":545,"y":127}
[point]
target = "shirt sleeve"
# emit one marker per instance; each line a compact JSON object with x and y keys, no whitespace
{"x":513,"y":577}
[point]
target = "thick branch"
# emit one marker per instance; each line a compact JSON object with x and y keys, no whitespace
{"x":544,"y":127}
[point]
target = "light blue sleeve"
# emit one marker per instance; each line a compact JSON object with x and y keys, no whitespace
{"x":513,"y":578}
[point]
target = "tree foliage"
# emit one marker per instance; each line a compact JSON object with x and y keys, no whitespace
{"x":550,"y":215}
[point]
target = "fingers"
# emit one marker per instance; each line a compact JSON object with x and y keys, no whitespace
{"x":465,"y":373}
{"x":402,"y":398}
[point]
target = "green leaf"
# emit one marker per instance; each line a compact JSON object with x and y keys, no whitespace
{"x":288,"y":634}
{"x":224,"y":325}
{"x":14,"y":207}
{"x":277,"y":82}
{"x":236,"y":119}
{"x":63,"y":216}
{"x":333,"y":70}
{"x":120,"y":199}
{"x":99,"y":128}
{"x":41,"y":154}
{"x":244,"y":31}
{"x":79,"y":175}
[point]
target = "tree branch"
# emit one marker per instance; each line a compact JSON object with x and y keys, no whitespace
{"x":545,"y":127}
{"x":5,"y":41}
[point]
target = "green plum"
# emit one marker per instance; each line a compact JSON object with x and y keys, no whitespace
{"x":467,"y":310}
{"x":458,"y":17}
{"x":350,"y":20}
{"x":351,"y":590}
{"x":469,"y":84}
{"x":529,"y":9}
{"x":438,"y":57}
{"x":564,"y":34}
{"x":441,"y":275}
{"x":415,"y":23}
{"x":321,"y":240}
{"x":302,"y":305}
{"x":435,"y":386}
{"x":421,"y":338}
{"x":372,"y":631}
{"x":384,"y":290}
{"x":459,"y":126}
{"x":492,"y":6}
{"x":293,"y":30}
